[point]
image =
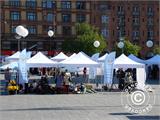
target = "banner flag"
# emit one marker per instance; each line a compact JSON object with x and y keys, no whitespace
{"x":23,"y":75}
{"x":93,"y":70}
{"x":109,"y":67}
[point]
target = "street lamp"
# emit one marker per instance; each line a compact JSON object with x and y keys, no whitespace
{"x":21,"y":32}
{"x":121,"y":44}
{"x":96,"y":43}
{"x":50,"y":34}
{"x":149,"y":43}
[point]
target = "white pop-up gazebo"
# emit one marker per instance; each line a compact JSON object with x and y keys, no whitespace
{"x":154,"y":60}
{"x":124,"y":62}
{"x":61,"y":56}
{"x":14,"y":57}
{"x":102,"y":58}
{"x":79,"y":60}
{"x":134,"y":58}
{"x":40,"y":60}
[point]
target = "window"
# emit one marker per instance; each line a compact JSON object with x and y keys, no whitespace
{"x":65,"y":4}
{"x":15,"y":15}
{"x":120,"y":8}
{"x":135,"y":20}
{"x":150,"y":34}
{"x":81,"y":18}
{"x":14,"y":3}
{"x":13,"y":29}
{"x":135,"y":8}
{"x":66,"y":30}
{"x":50,"y":17}
{"x":150,"y":21}
{"x":6,"y":45}
{"x":31,"y":16}
{"x":150,"y":11}
{"x":135,"y":33}
{"x":31,"y":3}
{"x":48,"y":4}
{"x":104,"y":19}
{"x":66,"y":17}
{"x":105,"y":32}
{"x":80,"y":5}
{"x":32,"y":29}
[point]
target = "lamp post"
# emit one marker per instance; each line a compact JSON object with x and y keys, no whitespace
{"x":18,"y":39}
{"x":50,"y":34}
{"x":121,"y":44}
{"x":149,"y":44}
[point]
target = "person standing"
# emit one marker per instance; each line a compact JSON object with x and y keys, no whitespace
{"x":7,"y":76}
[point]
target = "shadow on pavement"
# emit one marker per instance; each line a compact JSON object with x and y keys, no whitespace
{"x":62,"y":108}
{"x":145,"y":117}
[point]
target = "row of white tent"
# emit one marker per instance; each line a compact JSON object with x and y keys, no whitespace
{"x":78,"y":60}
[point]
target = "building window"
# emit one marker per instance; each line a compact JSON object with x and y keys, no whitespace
{"x":15,"y":15}
{"x":15,"y":3}
{"x":136,"y":9}
{"x":81,"y":18}
{"x":65,"y":4}
{"x":6,"y":45}
{"x":136,"y":21}
{"x":66,"y":30}
{"x":50,"y":17}
{"x":150,"y":21}
{"x":104,"y":19}
{"x":150,"y":11}
{"x":48,"y":4}
{"x":80,"y":5}
{"x":66,"y":17}
{"x":135,"y":33}
{"x":32,"y":29}
{"x":120,"y":9}
{"x":31,"y":3}
{"x":150,"y":34}
{"x":13,"y":29}
{"x":31,"y":16}
{"x":105,"y":32}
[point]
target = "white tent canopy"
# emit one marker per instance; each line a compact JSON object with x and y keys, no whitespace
{"x":13,"y":57}
{"x":61,"y":56}
{"x":125,"y":62}
{"x":153,"y":60}
{"x":79,"y":60}
{"x":40,"y":60}
{"x":12,"y":65}
{"x":134,"y":58}
{"x":102,"y":58}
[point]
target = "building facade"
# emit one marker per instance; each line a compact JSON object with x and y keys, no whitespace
{"x":137,"y":21}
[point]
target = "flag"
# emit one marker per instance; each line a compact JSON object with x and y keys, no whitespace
{"x":23,"y":75}
{"x":108,"y":68}
{"x":93,"y":70}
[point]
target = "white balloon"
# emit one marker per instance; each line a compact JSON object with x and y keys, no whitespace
{"x":149,"y":43}
{"x":120,"y":44}
{"x":21,"y":31}
{"x":50,"y":33}
{"x":96,"y":43}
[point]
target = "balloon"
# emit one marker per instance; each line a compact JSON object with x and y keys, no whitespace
{"x":50,"y":33}
{"x":96,"y":43}
{"x":149,"y":43}
{"x":21,"y":31}
{"x":120,"y":44}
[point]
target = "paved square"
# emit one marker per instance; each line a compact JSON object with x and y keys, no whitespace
{"x":99,"y":106}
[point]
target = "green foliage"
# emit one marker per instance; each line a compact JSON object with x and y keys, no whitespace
{"x":86,"y":35}
{"x":128,"y":48}
{"x":156,"y":50}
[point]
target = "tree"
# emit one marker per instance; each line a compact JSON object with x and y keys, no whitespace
{"x":128,"y":48}
{"x":86,"y":35}
{"x":156,"y":50}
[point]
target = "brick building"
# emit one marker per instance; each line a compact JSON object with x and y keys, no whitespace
{"x":138,"y":21}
